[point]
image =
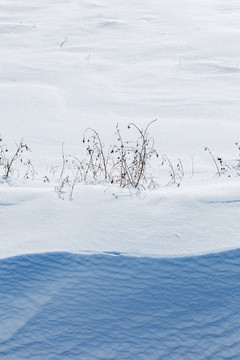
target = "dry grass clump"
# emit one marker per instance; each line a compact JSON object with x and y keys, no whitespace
{"x":130,"y":164}
{"x":127,"y":164}
{"x":223,"y":167}
{"x":11,"y":164}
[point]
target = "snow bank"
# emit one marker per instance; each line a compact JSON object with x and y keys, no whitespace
{"x":165,"y":222}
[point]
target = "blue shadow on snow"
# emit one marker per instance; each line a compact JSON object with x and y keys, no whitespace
{"x":68,"y":306}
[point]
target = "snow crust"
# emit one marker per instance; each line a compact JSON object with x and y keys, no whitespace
{"x":67,"y":66}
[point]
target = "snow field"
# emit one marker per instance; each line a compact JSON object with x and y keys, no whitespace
{"x":66,"y":66}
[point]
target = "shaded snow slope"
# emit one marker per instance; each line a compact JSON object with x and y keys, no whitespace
{"x":62,"y":306}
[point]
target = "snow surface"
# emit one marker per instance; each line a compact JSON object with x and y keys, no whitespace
{"x":165,"y":222}
{"x":64,"y":306}
{"x":66,"y":66}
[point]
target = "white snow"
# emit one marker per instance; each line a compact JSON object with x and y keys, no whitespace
{"x":67,"y":66}
{"x":165,"y":222}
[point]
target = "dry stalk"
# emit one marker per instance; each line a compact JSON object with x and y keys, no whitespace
{"x":214,"y":160}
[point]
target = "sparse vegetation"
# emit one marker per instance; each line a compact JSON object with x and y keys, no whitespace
{"x":214,"y":160}
{"x":226,"y":167}
{"x":124,"y":163}
{"x":129,"y":164}
{"x":12,"y":163}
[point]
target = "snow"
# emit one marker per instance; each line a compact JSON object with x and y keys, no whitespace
{"x":65,"y":306}
{"x":66,"y":66}
{"x":164,"y":222}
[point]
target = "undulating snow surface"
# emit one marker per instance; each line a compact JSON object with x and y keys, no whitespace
{"x":63,"y":306}
{"x":69,"y":65}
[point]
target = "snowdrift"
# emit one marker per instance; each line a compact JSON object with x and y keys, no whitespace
{"x":65,"y":306}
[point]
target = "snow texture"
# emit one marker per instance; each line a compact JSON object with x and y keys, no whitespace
{"x":65,"y":306}
{"x":69,"y":65}
{"x":165,"y":222}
